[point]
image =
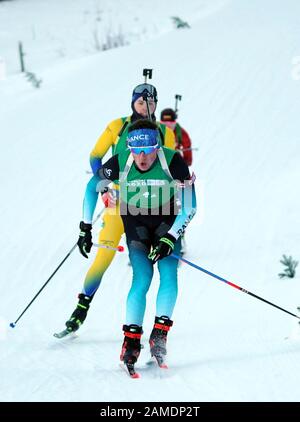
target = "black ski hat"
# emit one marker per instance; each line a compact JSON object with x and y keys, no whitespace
{"x":168,"y":115}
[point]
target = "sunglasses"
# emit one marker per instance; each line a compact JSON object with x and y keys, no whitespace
{"x":145,"y":150}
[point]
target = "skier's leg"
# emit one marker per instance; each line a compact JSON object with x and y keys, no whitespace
{"x":110,"y":234}
{"x":168,"y":289}
{"x":165,"y":303}
{"x":142,"y":269}
{"x":138,"y":243}
{"x":136,"y":303}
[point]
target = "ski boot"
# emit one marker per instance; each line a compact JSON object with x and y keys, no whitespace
{"x":158,"y":339}
{"x":80,"y":313}
{"x":131,"y":347}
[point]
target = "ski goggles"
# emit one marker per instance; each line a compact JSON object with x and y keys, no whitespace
{"x":145,"y":150}
{"x":145,"y":88}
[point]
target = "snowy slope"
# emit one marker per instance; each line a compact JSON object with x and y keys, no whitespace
{"x":56,"y":31}
{"x":240,"y":104}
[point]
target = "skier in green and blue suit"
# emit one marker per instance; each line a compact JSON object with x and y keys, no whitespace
{"x":157,"y":202}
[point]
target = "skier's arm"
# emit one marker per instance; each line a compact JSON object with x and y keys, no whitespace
{"x":107,"y":174}
{"x":104,"y":142}
{"x":186,"y":195}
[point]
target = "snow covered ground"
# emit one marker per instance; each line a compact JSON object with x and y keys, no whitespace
{"x":234,"y":69}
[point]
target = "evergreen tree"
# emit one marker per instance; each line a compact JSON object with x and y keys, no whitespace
{"x":290,"y":265}
{"x":179,"y":23}
{"x":33,"y":79}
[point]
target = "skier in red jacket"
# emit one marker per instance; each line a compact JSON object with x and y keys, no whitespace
{"x":183,"y":141}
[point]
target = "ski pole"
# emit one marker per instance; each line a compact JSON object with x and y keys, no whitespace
{"x":118,"y":248}
{"x":189,"y":149}
{"x":177,"y":98}
{"x":231,"y":284}
{"x":13,"y":324}
{"x":147,"y":73}
{"x":146,"y":98}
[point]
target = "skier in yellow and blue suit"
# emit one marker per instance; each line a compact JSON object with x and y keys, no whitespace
{"x":114,"y":136}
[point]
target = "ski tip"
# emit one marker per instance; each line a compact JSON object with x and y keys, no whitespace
{"x":63,"y":333}
{"x":130,"y":371}
{"x":157,"y":362}
{"x":12,"y":325}
{"x":161,"y":362}
{"x":135,"y":375}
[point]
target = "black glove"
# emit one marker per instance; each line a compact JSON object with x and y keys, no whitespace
{"x":164,"y":248}
{"x":85,"y":238}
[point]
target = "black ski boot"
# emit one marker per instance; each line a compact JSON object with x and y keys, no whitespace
{"x":131,"y":347}
{"x":79,"y":315}
{"x":158,"y":339}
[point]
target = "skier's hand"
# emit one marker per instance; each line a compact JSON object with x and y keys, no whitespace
{"x":85,"y":238}
{"x":109,"y":198}
{"x":164,"y":248}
